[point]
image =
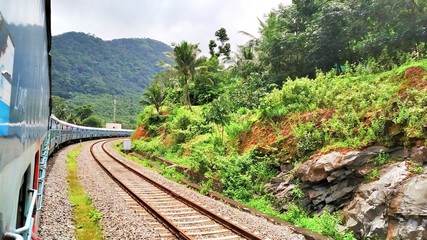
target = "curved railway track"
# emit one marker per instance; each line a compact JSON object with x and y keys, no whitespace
{"x":182,"y":217}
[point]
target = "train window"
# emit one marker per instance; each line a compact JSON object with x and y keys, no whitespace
{"x":36,"y":169}
{"x":20,"y":212}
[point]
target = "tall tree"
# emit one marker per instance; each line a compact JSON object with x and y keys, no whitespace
{"x":224,"y":48}
{"x":186,"y":62}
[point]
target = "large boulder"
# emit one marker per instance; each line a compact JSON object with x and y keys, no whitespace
{"x":330,"y":179}
{"x":408,"y":210}
{"x":367,"y":213}
{"x":392,"y":207}
{"x":319,"y":168}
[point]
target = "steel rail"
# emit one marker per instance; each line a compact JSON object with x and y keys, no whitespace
{"x":152,"y":210}
{"x":229,"y":225}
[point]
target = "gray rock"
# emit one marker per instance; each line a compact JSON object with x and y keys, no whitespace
{"x":411,"y":199}
{"x":393,"y":207}
{"x":319,"y":168}
{"x":419,"y":153}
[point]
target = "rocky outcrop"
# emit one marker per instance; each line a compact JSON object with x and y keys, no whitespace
{"x":367,"y":213}
{"x":408,"y":210}
{"x":392,"y":207}
{"x":387,"y":206}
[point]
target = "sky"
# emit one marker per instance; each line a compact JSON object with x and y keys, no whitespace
{"x":169,"y":21}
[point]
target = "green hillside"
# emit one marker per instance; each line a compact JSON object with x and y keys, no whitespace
{"x":89,"y":70}
{"x":319,"y":80}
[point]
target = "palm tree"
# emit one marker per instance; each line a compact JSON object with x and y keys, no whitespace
{"x":246,"y":61}
{"x":155,"y":95}
{"x":186,"y":62}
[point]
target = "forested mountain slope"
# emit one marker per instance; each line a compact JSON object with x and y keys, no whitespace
{"x":89,"y":70}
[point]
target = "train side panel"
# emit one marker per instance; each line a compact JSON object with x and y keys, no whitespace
{"x":24,"y":98}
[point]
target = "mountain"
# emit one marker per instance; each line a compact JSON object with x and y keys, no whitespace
{"x":89,"y":70}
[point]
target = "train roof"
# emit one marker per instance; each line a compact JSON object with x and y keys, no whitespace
{"x":88,"y":128}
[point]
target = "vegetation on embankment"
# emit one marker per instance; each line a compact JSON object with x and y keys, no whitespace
{"x":239,"y":127}
{"x":86,"y":217}
{"x":352,"y":110}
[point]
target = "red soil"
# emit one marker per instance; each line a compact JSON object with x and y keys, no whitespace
{"x":278,"y":133}
{"x":140,"y":133}
{"x":415,"y":78}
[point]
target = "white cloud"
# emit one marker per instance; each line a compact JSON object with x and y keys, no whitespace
{"x":166,"y":20}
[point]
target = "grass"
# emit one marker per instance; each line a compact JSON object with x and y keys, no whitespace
{"x":416,"y":167}
{"x":167,"y":171}
{"x":86,"y":217}
{"x":324,"y":224}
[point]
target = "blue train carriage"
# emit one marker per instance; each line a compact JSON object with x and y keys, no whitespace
{"x":62,"y":133}
{"x":24,"y":111}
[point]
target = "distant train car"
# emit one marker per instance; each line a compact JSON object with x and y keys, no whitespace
{"x":62,"y":133}
{"x":24,"y":110}
{"x":28,"y":134}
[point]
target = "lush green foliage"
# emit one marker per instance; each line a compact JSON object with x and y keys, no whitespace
{"x":93,"y":121}
{"x":101,"y":106}
{"x":307,"y":35}
{"x":351,"y":110}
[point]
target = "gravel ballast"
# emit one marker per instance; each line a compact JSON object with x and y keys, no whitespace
{"x":56,"y":221}
{"x":119,"y":220}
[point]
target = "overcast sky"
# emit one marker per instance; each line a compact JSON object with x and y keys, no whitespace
{"x":169,"y":21}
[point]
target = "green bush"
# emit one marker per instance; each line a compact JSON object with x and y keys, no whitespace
{"x":412,"y":112}
{"x":382,"y":159}
{"x":181,"y":136}
{"x":183,"y":119}
{"x":373,"y":174}
{"x":298,"y":95}
{"x":325,"y":224}
{"x":244,"y":176}
{"x":150,"y":116}
{"x":154,"y":146}
{"x":234,"y":129}
{"x":182,"y":122}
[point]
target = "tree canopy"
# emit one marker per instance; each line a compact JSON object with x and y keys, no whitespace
{"x":320,"y":34}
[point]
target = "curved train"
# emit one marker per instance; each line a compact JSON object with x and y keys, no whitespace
{"x":28,"y":134}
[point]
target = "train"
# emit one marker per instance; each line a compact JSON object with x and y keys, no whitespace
{"x":29,"y":134}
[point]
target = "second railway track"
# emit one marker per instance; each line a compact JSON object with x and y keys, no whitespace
{"x":182,"y":217}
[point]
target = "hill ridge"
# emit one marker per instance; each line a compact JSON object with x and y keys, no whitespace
{"x":86,"y":69}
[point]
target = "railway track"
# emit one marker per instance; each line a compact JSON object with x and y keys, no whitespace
{"x":183,"y":218}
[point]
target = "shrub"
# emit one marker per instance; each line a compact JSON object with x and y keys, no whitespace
{"x":382,"y":159}
{"x":298,"y":95}
{"x":373,"y":174}
{"x":181,"y":136}
{"x":154,"y":146}
{"x":243,"y":176}
{"x":416,"y":167}
{"x":182,"y":122}
{"x":234,"y":129}
{"x":325,"y":224}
